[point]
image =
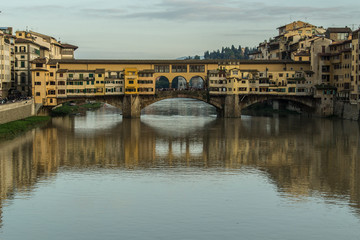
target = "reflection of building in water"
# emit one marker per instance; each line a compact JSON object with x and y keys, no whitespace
{"x":301,"y":158}
{"x":316,"y":157}
{"x":18,"y":173}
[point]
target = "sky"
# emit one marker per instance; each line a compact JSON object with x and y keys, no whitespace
{"x":168,"y":29}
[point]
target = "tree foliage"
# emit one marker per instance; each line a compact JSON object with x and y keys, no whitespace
{"x":229,"y":53}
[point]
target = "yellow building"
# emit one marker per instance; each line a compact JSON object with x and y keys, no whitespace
{"x":355,"y":70}
{"x":131,"y":81}
{"x":255,"y":77}
{"x":6,"y":61}
{"x":59,"y":79}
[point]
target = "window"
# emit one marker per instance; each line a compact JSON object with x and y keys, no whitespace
{"x":197,"y":68}
{"x":22,"y":64}
{"x":37,"y":93}
{"x":61,"y":91}
{"x":179,"y":68}
{"x":37,"y":83}
{"x":99,"y":75}
{"x":51,"y":74}
{"x":71,"y":75}
{"x":162,"y":68}
{"x":37,"y":74}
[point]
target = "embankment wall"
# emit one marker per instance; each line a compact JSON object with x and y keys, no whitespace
{"x":16,"y":111}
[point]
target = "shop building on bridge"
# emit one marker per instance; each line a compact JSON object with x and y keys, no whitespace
{"x":61,"y":79}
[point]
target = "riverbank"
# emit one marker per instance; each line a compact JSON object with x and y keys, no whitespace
{"x":73,"y":108}
{"x":12,"y":129}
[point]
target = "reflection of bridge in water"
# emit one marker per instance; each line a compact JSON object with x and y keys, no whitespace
{"x":295,"y":160}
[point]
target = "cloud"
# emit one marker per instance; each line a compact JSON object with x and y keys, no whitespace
{"x":218,"y":11}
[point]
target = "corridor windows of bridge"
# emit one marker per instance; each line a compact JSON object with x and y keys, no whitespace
{"x":162,"y":68}
{"x":178,"y":68}
{"x":197,"y":68}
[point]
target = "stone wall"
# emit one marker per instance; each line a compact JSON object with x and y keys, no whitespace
{"x":346,"y":110}
{"x":16,"y":111}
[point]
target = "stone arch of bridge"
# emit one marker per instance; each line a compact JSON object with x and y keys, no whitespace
{"x":306,"y":104}
{"x":197,"y":95}
{"x":115,"y":101}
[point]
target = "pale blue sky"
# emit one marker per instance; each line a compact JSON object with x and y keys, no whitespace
{"x":168,"y":29}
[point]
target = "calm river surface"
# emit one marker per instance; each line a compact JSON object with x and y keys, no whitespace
{"x":181,"y":173}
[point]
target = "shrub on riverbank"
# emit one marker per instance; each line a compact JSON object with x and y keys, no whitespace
{"x":11,"y":129}
{"x":73,"y":108}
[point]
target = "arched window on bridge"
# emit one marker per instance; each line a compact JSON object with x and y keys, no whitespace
{"x":197,"y":83}
{"x":179,"y":83}
{"x":162,"y":83}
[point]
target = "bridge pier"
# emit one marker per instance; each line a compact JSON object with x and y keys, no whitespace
{"x":231,"y":108}
{"x":131,"y":106}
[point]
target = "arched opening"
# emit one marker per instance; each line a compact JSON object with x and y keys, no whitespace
{"x":197,"y":82}
{"x":180,"y":107}
{"x":179,"y":83}
{"x":162,"y":83}
{"x":276,"y":106}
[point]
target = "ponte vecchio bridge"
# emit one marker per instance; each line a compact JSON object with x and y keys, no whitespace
{"x":132,"y":85}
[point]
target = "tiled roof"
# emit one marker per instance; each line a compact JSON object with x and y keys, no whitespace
{"x":39,"y":60}
{"x":339,"y":30}
{"x":151,"y":62}
{"x":66,"y":45}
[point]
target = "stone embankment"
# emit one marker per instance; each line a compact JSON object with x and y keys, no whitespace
{"x":15,"y":111}
{"x":346,"y":110}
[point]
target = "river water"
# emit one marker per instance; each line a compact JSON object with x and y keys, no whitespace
{"x":181,"y":173}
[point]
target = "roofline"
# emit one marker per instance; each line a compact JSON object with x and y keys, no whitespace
{"x":133,"y":61}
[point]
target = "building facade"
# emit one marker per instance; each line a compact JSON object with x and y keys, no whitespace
{"x":6,"y":61}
